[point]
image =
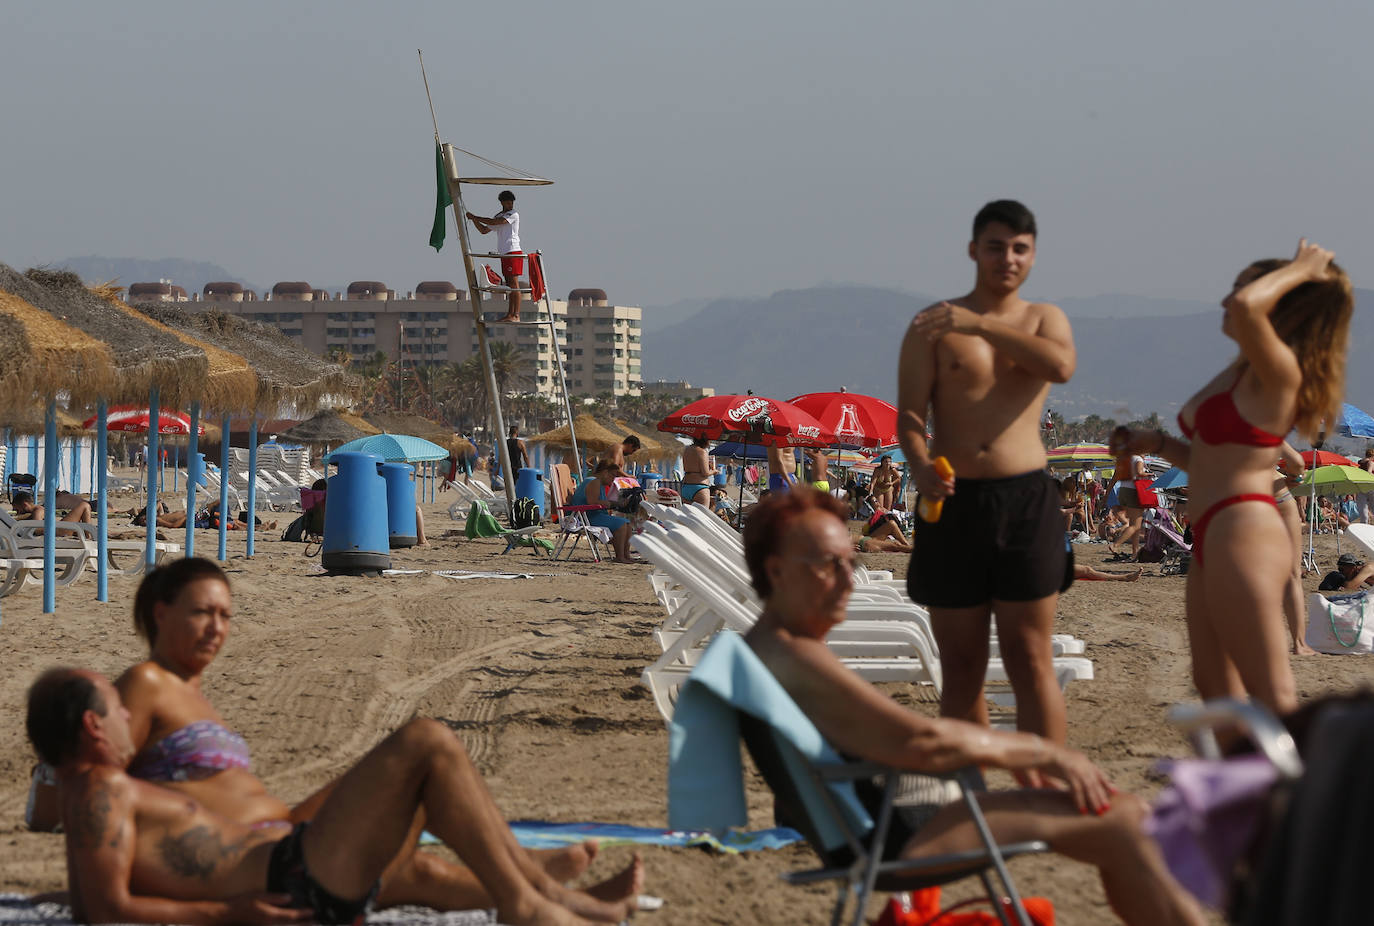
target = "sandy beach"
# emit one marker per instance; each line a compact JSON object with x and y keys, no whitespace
{"x":539,"y":677}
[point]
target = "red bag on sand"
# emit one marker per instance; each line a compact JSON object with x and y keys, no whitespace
{"x":922,"y":908}
{"x":1148,"y":496}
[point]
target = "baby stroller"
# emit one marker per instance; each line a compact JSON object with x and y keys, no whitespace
{"x":1164,"y":543}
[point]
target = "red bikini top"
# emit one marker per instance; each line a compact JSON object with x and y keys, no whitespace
{"x":1218,"y":421}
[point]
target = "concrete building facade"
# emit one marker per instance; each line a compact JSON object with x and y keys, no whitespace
{"x":434,"y":325}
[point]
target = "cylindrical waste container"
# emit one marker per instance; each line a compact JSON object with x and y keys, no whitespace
{"x":355,"y":529}
{"x":529,"y":483}
{"x":720,"y":477}
{"x":649,"y":481}
{"x":400,"y":504}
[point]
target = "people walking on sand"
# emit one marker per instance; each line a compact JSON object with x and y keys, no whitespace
{"x":1291,"y":320}
{"x":697,"y":472}
{"x":1129,"y":468}
{"x":820,"y":468}
{"x":1294,"y":606}
{"x":782,"y":468}
{"x":506,"y":224}
{"x":983,"y":364}
{"x":519,"y":456}
{"x":884,"y":483}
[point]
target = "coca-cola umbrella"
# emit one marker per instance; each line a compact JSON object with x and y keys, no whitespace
{"x":750,"y":419}
{"x":858,"y":420}
{"x":135,"y":419}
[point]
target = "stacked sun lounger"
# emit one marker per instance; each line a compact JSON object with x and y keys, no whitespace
{"x":76,"y":551}
{"x":701,"y":581}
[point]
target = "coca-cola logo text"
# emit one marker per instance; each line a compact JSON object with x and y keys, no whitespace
{"x":747,"y":409}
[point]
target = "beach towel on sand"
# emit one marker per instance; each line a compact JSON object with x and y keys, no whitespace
{"x":482,"y":523}
{"x":539,"y":834}
{"x":17,"y":909}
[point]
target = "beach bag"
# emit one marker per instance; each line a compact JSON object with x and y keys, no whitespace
{"x":295,"y":531}
{"x":525,"y":513}
{"x":1147,"y":496}
{"x":1340,"y":624}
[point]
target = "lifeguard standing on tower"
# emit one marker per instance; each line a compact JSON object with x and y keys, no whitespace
{"x":506,"y":223}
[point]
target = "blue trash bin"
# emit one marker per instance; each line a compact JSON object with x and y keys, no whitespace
{"x":402,"y":529}
{"x":529,"y":483}
{"x":355,"y":524}
{"x":719,"y":478}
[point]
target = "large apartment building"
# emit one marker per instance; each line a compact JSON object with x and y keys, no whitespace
{"x":434,"y":325}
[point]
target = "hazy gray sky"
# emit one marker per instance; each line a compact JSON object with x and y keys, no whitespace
{"x":699,"y":149}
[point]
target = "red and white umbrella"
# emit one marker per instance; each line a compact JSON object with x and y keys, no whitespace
{"x":752,"y":419}
{"x":132,"y":418}
{"x":856,"y":420}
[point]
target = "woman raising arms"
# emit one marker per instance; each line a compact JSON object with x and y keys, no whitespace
{"x":1291,"y":320}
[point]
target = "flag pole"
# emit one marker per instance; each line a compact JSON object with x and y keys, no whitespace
{"x":450,"y":179}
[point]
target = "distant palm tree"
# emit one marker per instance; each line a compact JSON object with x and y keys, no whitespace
{"x":511,"y":366}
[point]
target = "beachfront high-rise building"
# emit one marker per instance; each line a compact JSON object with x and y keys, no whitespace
{"x":434,"y":325}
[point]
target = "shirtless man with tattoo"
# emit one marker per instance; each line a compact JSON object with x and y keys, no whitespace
{"x":983,"y":363}
{"x":141,"y":853}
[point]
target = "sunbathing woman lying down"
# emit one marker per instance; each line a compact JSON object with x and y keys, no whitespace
{"x":184,"y":611}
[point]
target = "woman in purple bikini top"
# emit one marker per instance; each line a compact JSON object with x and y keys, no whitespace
{"x":196,"y":751}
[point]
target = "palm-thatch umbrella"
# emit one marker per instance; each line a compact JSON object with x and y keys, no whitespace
{"x":41,"y":356}
{"x":590,"y":433}
{"x":407,"y":423}
{"x":286,"y":373}
{"x":152,"y":365}
{"x":459,"y":446}
{"x":652,"y":448}
{"x":330,"y":427}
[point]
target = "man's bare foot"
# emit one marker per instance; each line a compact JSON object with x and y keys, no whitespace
{"x":1139,"y":571}
{"x":422,"y":543}
{"x":610,"y":901}
{"x":627,"y":562}
{"x":564,"y":865}
{"x":1300,"y":648}
{"x":624,"y":886}
{"x":509,"y":318}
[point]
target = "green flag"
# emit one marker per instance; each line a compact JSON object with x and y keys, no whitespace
{"x":441,"y":202}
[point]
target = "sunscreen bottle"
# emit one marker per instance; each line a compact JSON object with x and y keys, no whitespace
{"x":930,"y":509}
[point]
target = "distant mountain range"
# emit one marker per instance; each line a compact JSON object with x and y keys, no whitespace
{"x":1136,"y":355}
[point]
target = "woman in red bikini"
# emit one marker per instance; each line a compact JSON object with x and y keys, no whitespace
{"x":1291,"y":319}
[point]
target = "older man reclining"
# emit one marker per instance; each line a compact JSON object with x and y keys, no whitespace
{"x":138,"y":852}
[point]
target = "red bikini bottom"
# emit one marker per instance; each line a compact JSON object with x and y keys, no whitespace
{"x":1200,"y":528}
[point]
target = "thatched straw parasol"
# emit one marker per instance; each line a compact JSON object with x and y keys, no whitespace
{"x":30,"y":421}
{"x":230,"y":384}
{"x":286,"y":372}
{"x":330,"y":426}
{"x":459,"y":447}
{"x":415,"y":425}
{"x":41,"y":356}
{"x":649,"y":446}
{"x":143,"y":355}
{"x":590,"y":435}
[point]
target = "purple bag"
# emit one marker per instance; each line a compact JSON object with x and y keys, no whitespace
{"x":1206,"y":820}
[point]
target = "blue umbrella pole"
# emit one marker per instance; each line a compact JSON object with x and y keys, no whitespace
{"x":191,"y":479}
{"x":50,"y":508}
{"x":154,"y":478}
{"x":224,"y":490}
{"x":252,"y":480}
{"x":102,"y":525}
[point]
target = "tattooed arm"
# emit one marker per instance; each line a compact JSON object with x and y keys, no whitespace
{"x":101,"y":845}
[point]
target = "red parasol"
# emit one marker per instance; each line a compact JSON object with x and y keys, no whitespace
{"x":856,"y":420}
{"x":133,"y":418}
{"x":1315,"y":458}
{"x":749,"y":418}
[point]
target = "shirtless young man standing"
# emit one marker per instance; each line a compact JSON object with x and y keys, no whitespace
{"x":983,"y":363}
{"x":141,"y":853}
{"x":782,"y":468}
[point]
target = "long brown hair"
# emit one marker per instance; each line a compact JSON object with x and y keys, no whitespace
{"x":1314,"y":320}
